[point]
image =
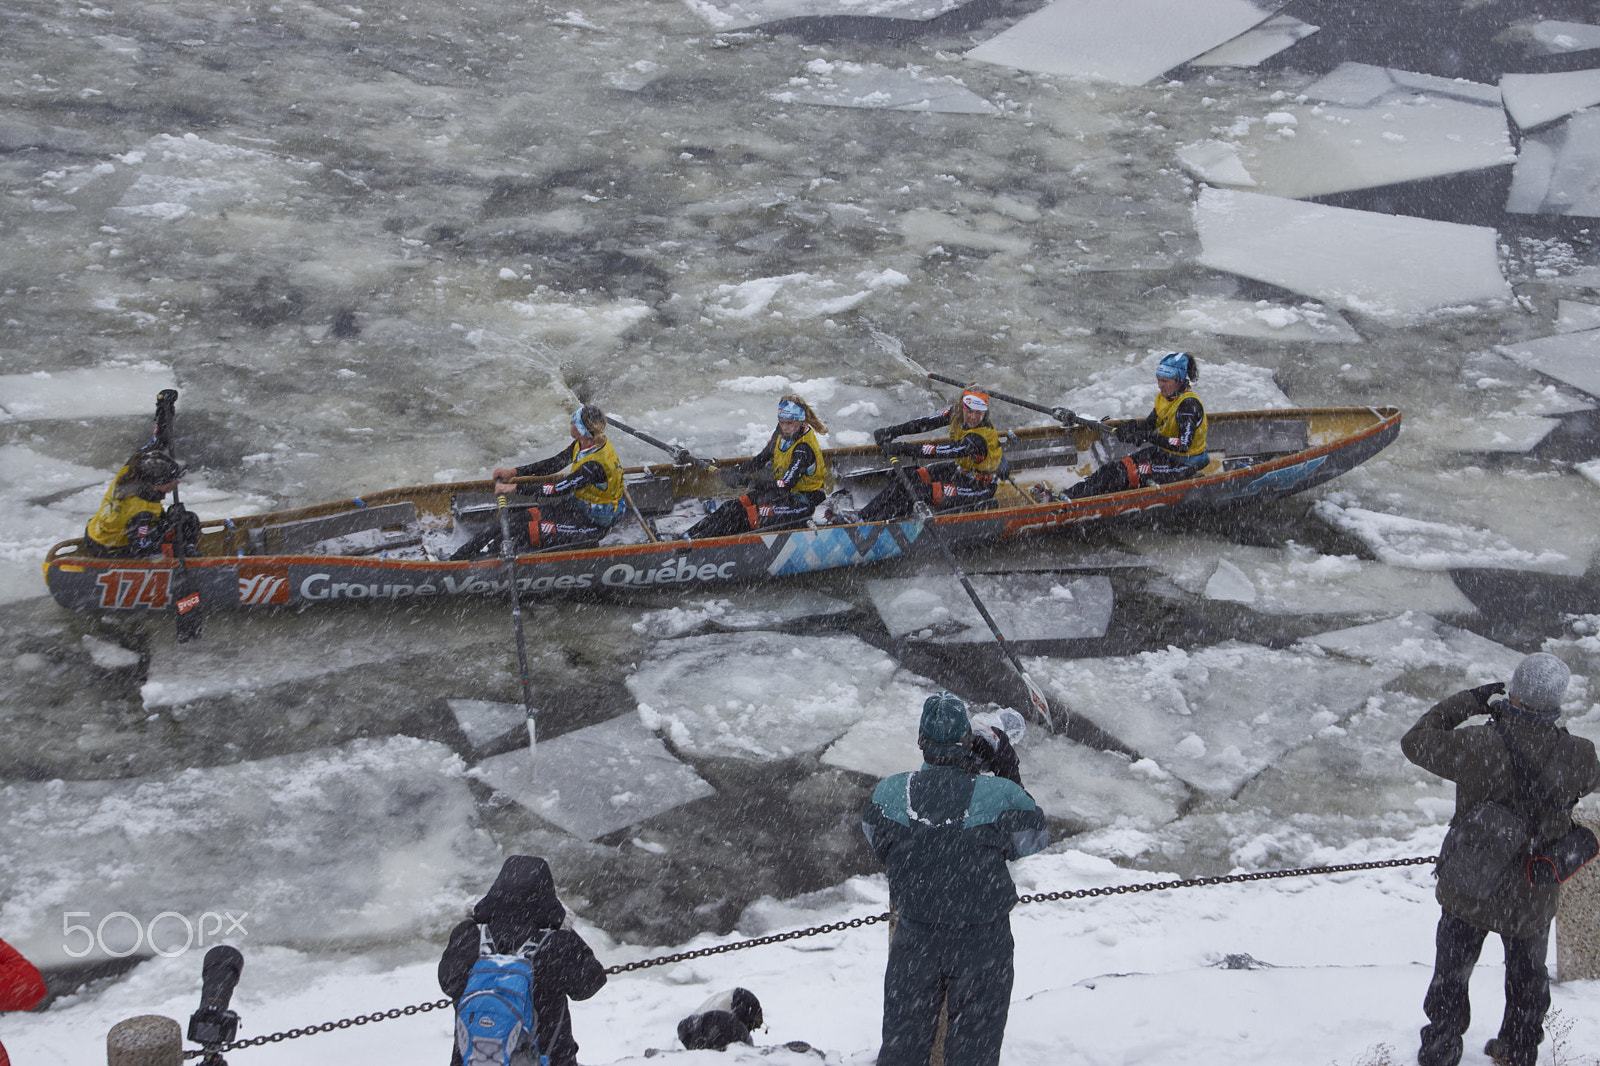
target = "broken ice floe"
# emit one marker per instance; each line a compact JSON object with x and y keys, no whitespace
{"x":183,"y":176}
{"x":487,"y":724}
{"x":596,"y":780}
{"x":103,"y":392}
{"x":1419,"y":544}
{"x":1094,"y":789}
{"x":1388,"y":266}
{"x":1551,"y":37}
{"x":380,"y":834}
{"x":799,"y":295}
{"x":1214,"y":717}
{"x":1376,"y":127}
{"x":1534,"y":99}
{"x":1575,"y":317}
{"x":738,"y":611}
{"x":1573,"y":358}
{"x":1262,"y":319}
{"x":740,"y":14}
{"x":1300,"y":581}
{"x":868,"y":85}
{"x":1558,"y":170}
{"x":1125,"y":41}
{"x":1257,"y":45}
{"x":1416,"y":641}
{"x":1129,"y":390}
{"x":768,"y":696}
{"x":1027,"y":606}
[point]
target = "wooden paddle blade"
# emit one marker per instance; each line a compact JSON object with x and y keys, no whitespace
{"x":1040,"y":702}
{"x":188,"y":608}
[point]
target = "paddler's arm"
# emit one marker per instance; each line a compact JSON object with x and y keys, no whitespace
{"x":590,"y":473}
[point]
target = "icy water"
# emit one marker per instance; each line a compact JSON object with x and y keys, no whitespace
{"x":385,"y":244}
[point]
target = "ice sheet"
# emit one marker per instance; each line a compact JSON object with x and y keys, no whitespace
{"x":1534,"y":99}
{"x":1306,"y":150}
{"x":113,"y":391}
{"x":1575,"y":317}
{"x":1573,"y":358}
{"x":596,"y":780}
{"x":765,"y":609}
{"x":1091,"y":789}
{"x":879,"y":88}
{"x":1126,"y":41}
{"x":1404,"y":541}
{"x":1257,"y":45}
{"x":1262,"y":319}
{"x":738,"y":14}
{"x":1217,"y":716}
{"x":1027,"y":606}
{"x":767,"y":696}
{"x":1387,"y":266}
{"x":485,"y":722}
{"x":1551,"y":37}
{"x":381,"y":834}
{"x":1299,"y":581}
{"x":1558,"y":170}
{"x":1360,"y":84}
{"x":1415,"y":641}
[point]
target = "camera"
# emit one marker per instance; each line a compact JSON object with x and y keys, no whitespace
{"x":214,"y":1024}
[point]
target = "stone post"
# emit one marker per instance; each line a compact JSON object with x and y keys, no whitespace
{"x":1578,"y":917}
{"x":148,"y":1040}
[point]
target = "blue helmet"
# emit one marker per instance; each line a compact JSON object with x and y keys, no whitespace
{"x":1175,"y":365}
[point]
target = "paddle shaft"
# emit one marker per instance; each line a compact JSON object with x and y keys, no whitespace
{"x":1036,"y":696}
{"x":1060,"y":414}
{"x":508,"y":556}
{"x":680,"y":456}
{"x":188,"y":608}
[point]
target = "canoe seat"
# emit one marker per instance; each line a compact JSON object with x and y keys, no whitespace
{"x":1218,"y":459}
{"x":287,"y":538}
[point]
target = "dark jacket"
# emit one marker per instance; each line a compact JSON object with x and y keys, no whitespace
{"x":521,"y":903}
{"x":1475,"y":758}
{"x":944,"y":834}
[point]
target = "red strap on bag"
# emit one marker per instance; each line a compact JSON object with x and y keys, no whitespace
{"x":1133,"y":471}
{"x":751,"y":512}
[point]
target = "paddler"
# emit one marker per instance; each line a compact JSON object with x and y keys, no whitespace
{"x":580,"y":504}
{"x":131,"y":522}
{"x":1171,"y":438}
{"x":964,"y":470}
{"x":792,"y":458}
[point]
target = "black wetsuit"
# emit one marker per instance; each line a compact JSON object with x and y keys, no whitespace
{"x":1158,"y":461}
{"x":942,"y":484}
{"x":768,"y":503}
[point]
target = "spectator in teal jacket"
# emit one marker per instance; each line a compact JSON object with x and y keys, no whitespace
{"x":944,"y":833}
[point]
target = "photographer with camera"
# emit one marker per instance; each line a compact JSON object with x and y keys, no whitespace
{"x":1511,"y":842}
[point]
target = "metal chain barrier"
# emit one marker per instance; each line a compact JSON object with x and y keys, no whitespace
{"x":857,"y":923}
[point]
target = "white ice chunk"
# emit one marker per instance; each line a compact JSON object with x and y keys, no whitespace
{"x":1558,"y":170}
{"x":1257,"y":45}
{"x":1299,"y":581}
{"x":1215,"y":161}
{"x":1360,"y":84}
{"x":484,"y":721}
{"x":1534,"y":99}
{"x":738,"y":14}
{"x":875,"y":87}
{"x":1263,"y":319}
{"x":102,"y":392}
{"x":1338,"y":149}
{"x":1126,"y":41}
{"x":1590,"y":470}
{"x":1575,"y":317}
{"x":109,"y":656}
{"x":1415,"y":641}
{"x":596,"y":780}
{"x":738,"y":610}
{"x":1230,"y":583}
{"x":1551,"y":37}
{"x":879,"y":747}
{"x":1417,"y":543}
{"x":1027,"y":606}
{"x":1573,"y":358}
{"x":1097,"y":788}
{"x":381,"y":835}
{"x":766,"y":696}
{"x":1196,"y":712}
{"x":1388,"y":266}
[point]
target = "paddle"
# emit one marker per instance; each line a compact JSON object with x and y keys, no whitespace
{"x":680,"y":456}
{"x":508,"y":557}
{"x":1061,"y":414}
{"x":1036,"y":696}
{"x":184,"y":591}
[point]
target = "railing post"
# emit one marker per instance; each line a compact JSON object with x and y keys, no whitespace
{"x":1578,"y":918}
{"x":147,"y":1040}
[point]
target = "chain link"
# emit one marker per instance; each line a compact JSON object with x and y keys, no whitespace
{"x":853,"y":923}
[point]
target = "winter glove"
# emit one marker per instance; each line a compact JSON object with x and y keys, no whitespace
{"x":732,"y":478}
{"x":902,"y":449}
{"x":1485,"y":693}
{"x":1130,"y":432}
{"x":880,"y":437}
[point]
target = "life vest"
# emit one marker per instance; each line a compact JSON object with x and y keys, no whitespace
{"x":814,"y":479}
{"x":609,"y":493}
{"x":109,"y":526}
{"x":1167,"y":423}
{"x":991,"y":460}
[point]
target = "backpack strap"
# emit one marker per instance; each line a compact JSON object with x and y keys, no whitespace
{"x":485,"y":941}
{"x":530,"y":947}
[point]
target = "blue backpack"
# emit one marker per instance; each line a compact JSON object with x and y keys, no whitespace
{"x":496,"y":1017}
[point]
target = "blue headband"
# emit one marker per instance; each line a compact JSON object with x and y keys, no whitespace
{"x":577,"y":423}
{"x":1174,"y":365}
{"x":790,"y":411}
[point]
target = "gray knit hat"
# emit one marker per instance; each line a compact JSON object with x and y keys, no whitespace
{"x":1540,"y":682}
